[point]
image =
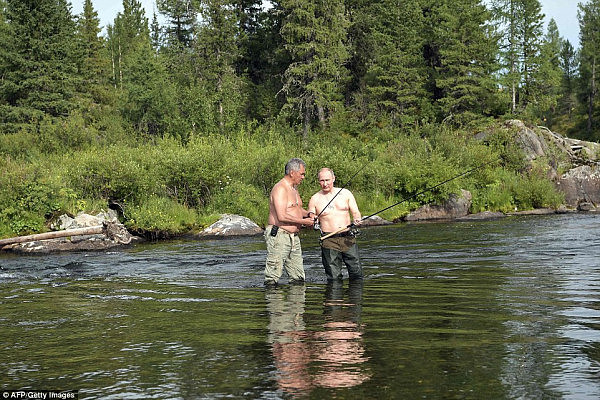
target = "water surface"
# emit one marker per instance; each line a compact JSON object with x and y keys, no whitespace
{"x":503,"y":309}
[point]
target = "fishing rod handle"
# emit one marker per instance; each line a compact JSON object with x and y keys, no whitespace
{"x":334,"y":233}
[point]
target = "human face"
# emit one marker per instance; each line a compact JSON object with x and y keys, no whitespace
{"x":298,"y":176}
{"x":326,"y":180}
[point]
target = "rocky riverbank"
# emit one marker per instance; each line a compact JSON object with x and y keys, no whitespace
{"x":572,"y":165}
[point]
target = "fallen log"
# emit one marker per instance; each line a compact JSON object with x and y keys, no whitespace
{"x":92,"y":230}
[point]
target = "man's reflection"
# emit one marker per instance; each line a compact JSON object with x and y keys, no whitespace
{"x":341,"y":348}
{"x":331,"y":354}
{"x":291,"y":349}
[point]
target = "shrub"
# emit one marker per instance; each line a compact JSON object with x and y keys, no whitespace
{"x":242,"y":199}
{"x":161,"y":215}
{"x":29,"y":197}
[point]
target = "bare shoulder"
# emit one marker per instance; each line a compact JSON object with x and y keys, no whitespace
{"x":315,"y":196}
{"x":346,"y":193}
{"x":278,"y":188}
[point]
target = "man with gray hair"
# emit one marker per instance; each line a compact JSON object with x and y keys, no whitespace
{"x":286,"y":217}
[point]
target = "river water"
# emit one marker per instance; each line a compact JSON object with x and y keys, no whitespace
{"x":502,"y":309}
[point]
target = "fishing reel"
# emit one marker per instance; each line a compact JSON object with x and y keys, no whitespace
{"x":317,"y":226}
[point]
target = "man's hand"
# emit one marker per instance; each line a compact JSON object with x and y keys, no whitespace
{"x":308,"y":221}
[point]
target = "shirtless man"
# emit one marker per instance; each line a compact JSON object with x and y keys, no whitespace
{"x":342,"y":246}
{"x":286,"y":217}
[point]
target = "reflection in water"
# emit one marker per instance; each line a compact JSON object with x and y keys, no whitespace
{"x":329,"y":356}
{"x":286,"y":330}
{"x":341,"y":348}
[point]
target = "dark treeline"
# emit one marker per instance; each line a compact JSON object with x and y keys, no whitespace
{"x":215,"y":65}
{"x":179,"y":121}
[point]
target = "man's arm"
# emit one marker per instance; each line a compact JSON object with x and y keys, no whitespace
{"x":312,"y":207}
{"x":356,"y":217}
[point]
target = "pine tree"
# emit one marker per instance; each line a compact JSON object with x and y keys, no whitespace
{"x":531,"y":28}
{"x":262,"y":60}
{"x":4,"y":40}
{"x":155,"y":32}
{"x":95,"y":64}
{"x":361,"y":48}
{"x":460,"y":55}
{"x":39,"y":62}
{"x":128,"y":33}
{"x":147,"y":96}
{"x":522,"y":28}
{"x":548,"y":76}
{"x":568,"y":65}
{"x":181,"y":18}
{"x":395,"y":75}
{"x":314,"y":34}
{"x":589,"y":74}
{"x":505,"y":13}
{"x":216,"y":53}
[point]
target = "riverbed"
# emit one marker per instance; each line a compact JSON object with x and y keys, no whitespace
{"x":502,"y":309}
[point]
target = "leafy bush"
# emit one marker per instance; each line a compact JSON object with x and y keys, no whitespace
{"x":29,"y":197}
{"x":160,"y":214}
{"x":117,"y":172}
{"x":242,"y":199}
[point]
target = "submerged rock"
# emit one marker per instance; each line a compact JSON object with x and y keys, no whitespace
{"x":482,"y":216}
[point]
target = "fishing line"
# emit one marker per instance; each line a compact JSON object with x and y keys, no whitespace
{"x":408,"y":198}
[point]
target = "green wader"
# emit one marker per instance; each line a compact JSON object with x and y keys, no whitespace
{"x":337,"y":250}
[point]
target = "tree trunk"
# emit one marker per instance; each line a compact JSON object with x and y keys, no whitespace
{"x":591,"y":98}
{"x":220,"y":105}
{"x":92,"y":230}
{"x":321,"y":112}
{"x":306,"y":124}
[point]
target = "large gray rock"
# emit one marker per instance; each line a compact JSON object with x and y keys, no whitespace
{"x":83,"y":220}
{"x":581,"y":186}
{"x":532,"y":144}
{"x":232,"y":225}
{"x":456,"y":206}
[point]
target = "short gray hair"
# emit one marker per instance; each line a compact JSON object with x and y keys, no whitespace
{"x":294,"y":165}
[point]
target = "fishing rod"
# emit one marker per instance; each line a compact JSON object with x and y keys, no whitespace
{"x":407,"y":198}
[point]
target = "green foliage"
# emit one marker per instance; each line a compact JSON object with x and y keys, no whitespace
{"x":314,"y":34}
{"x":117,"y":173}
{"x":242,"y":199}
{"x":38,"y":62}
{"x":508,"y":191}
{"x":209,"y":114}
{"x":28,"y":198}
{"x":395,"y":81}
{"x":159,"y":214}
{"x":461,"y":52}
{"x":187,"y":174}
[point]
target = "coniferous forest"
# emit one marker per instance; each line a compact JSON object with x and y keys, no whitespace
{"x":176,"y":122}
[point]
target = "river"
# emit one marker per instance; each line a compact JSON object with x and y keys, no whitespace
{"x":502,"y":309}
